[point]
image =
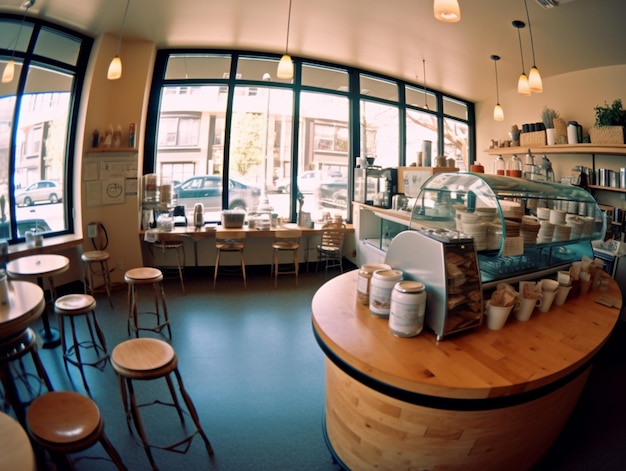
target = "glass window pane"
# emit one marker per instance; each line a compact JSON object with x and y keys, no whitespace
{"x":380,"y":133}
{"x":379,"y":88}
{"x":40,"y":157}
{"x":324,"y":77}
{"x":57,"y":46}
{"x":197,"y":66}
{"x":454,"y":108}
{"x":7,"y":105}
{"x":190,"y":145}
{"x":9,"y":31}
{"x":253,"y":68}
{"x":421,"y":98}
{"x":456,"y":142}
{"x":323,"y":157}
{"x":260,"y":148}
{"x":420,"y":127}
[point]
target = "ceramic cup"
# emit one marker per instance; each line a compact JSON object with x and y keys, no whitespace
{"x":561,"y":295}
{"x":548,"y":290}
{"x":497,"y":316}
{"x":526,"y":308}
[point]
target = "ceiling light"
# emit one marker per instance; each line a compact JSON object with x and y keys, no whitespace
{"x":9,"y":70}
{"x":498,"y":112}
{"x":534,"y":78}
{"x":285,"y":66}
{"x":115,"y":67}
{"x":523,"y":87}
{"x":425,"y":94}
{"x":447,"y":11}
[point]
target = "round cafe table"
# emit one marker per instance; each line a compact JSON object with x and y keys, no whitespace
{"x":37,"y":267}
{"x":16,"y":452}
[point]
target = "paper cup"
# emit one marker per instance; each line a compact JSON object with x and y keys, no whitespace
{"x":526,"y":308}
{"x":561,"y":295}
{"x":497,"y":316}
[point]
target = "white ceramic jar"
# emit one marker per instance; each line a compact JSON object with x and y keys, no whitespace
{"x":407,"y":308}
{"x":381,"y":286}
{"x":363,"y":282}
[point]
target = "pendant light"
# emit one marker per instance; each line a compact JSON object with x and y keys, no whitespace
{"x":447,"y":11}
{"x":285,"y":66}
{"x":523,"y":87}
{"x":115,"y":67}
{"x":498,"y":112}
{"x":425,"y":94}
{"x":9,"y":70}
{"x":534,"y":77}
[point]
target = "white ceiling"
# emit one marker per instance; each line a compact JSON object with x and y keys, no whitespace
{"x":392,"y":37}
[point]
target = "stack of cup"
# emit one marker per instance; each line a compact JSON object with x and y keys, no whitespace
{"x":546,"y":232}
{"x":548,"y":292}
{"x":565,"y":285}
{"x":530,"y":297}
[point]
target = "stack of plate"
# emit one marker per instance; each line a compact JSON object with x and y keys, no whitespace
{"x":588,"y":223}
{"x":512,"y":228}
{"x":529,"y":229}
{"x":546,"y":232}
{"x":494,"y":236}
{"x":561,"y":232}
{"x":478,"y":232}
{"x":511,"y":210}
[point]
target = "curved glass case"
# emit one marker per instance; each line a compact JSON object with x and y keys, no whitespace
{"x":518,"y":226}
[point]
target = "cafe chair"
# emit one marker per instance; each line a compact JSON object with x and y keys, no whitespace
{"x":287,"y":240}
{"x":80,"y":352}
{"x":230,"y":242}
{"x":330,"y":248}
{"x":96,"y":262}
{"x":67,"y":422}
{"x":169,"y":242}
{"x":148,"y":359}
{"x":19,"y":384}
{"x":152,"y":278}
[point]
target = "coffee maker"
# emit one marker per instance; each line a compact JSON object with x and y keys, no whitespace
{"x":375,"y":185}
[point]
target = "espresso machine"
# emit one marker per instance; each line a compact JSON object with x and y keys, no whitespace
{"x":375,"y":186}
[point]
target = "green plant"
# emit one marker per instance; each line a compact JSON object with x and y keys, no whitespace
{"x":610,"y":115}
{"x":548,"y":115}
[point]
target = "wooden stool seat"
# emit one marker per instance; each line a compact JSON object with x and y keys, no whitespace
{"x":81,"y":352}
{"x":150,"y":359}
{"x":230,"y":241}
{"x":66,"y":422}
{"x":90,"y":260}
{"x":285,"y":241}
{"x":146,"y":276}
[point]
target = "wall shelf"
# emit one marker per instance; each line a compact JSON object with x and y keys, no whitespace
{"x":601,"y":149}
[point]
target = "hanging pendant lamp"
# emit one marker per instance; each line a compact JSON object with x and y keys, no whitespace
{"x":498,"y":112}
{"x":115,"y":67}
{"x":523,"y":87}
{"x":425,"y":94}
{"x":534,"y":77}
{"x":9,"y":70}
{"x":285,"y":66}
{"x":447,"y":11}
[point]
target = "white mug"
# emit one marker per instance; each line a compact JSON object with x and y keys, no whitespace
{"x":526,"y":307}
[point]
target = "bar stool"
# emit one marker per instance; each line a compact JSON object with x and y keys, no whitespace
{"x":230,"y":241}
{"x":286,"y":241}
{"x":172,"y":243}
{"x":13,"y":374}
{"x":67,"y":422}
{"x":96,"y":264}
{"x":80,"y":353}
{"x":154,"y":278}
{"x":147,"y":359}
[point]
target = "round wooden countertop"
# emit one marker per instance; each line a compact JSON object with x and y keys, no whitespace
{"x":522,"y":358}
{"x":25,"y":306}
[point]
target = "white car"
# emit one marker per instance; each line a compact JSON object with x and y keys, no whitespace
{"x":308,"y":181}
{"x":39,"y":192}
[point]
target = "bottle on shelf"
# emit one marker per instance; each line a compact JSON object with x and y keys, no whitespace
{"x":499,"y":166}
{"x":131,"y":135}
{"x":95,"y":139}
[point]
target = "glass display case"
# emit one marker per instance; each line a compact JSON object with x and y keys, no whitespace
{"x":519,"y":227}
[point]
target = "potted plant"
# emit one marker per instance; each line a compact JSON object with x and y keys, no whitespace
{"x":548,"y":115}
{"x":610,"y":123}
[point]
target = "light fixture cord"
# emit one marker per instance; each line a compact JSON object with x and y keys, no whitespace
{"x":521,"y":53}
{"x":425,"y":96}
{"x":27,"y":6}
{"x":530,"y":30}
{"x":495,"y":65}
{"x":119,"y":41}
{"x":288,"y":25}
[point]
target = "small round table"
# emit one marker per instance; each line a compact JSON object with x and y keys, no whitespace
{"x":37,"y":267}
{"x":16,"y":452}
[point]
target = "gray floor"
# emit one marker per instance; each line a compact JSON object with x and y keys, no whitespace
{"x":256,"y":375}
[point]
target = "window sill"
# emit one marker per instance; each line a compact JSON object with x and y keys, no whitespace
{"x":50,"y":245}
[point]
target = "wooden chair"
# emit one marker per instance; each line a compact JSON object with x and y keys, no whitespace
{"x":176,"y":243}
{"x":230,"y":241}
{"x":285,"y":241}
{"x":96,"y":263}
{"x":67,"y":422}
{"x":152,"y":277}
{"x":330,"y":249}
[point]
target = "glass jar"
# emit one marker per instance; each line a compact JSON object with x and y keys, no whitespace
{"x":363,"y":282}
{"x":381,"y":286}
{"x":407,"y":308}
{"x":515,"y":167}
{"x":499,"y":166}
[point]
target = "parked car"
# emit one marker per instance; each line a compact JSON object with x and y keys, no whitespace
{"x":39,"y":192}
{"x":308,"y":181}
{"x":39,"y":225}
{"x":207,"y":189}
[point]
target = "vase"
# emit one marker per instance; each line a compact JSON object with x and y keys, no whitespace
{"x":551,"y":136}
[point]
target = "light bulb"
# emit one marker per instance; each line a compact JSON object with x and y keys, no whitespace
{"x":447,"y":11}
{"x":534,"y":80}
{"x":115,"y":69}
{"x":285,"y":67}
{"x":498,"y":113}
{"x":523,"y":88}
{"x":9,"y":71}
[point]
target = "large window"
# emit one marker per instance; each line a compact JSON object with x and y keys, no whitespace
{"x":38,"y":109}
{"x":278,"y":145}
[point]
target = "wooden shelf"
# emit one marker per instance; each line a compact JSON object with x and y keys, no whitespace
{"x":94,"y":150}
{"x":607,"y":188}
{"x":608,"y":149}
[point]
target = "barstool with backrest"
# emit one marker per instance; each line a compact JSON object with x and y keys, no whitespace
{"x":146,"y":276}
{"x":330,"y":249}
{"x":230,"y":241}
{"x":96,"y":262}
{"x":78,"y":351}
{"x":286,"y":240}
{"x":148,"y":359}
{"x":66,"y":422}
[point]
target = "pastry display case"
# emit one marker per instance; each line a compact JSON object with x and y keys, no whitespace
{"x":520,"y":228}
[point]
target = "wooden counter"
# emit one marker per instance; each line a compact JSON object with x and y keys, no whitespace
{"x":479,"y":400}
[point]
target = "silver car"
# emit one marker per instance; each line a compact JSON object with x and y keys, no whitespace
{"x":39,"y":192}
{"x":207,"y":189}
